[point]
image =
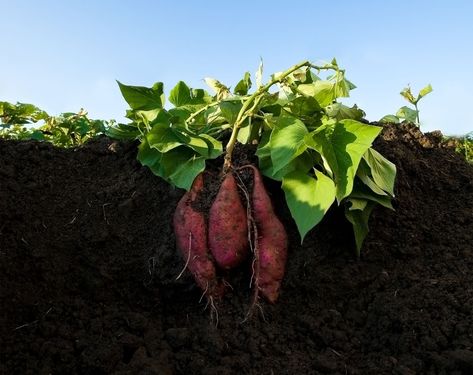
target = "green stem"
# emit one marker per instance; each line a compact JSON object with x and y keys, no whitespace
{"x":203,"y":109}
{"x":243,"y":114}
{"x":417,"y":115}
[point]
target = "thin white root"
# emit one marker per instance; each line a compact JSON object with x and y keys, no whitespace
{"x":189,"y":248}
{"x":204,"y":293}
{"x":213,"y":311}
{"x":226,"y":283}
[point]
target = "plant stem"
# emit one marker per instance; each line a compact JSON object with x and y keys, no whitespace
{"x":417,"y":115}
{"x":203,"y":109}
{"x":243,"y":114}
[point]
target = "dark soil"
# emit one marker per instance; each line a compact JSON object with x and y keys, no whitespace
{"x":88,"y":269}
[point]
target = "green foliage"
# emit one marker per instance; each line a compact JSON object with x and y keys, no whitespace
{"x":406,"y":113}
{"x":19,"y":121}
{"x":463,"y":146}
{"x":315,"y":145}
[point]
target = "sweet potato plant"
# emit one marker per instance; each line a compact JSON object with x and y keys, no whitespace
{"x":318,"y":148}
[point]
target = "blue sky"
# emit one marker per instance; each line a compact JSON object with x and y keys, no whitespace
{"x":64,"y":55}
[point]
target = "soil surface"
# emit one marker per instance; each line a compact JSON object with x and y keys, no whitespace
{"x":88,"y":274}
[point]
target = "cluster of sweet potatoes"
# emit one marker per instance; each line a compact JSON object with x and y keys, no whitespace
{"x":233,"y":229}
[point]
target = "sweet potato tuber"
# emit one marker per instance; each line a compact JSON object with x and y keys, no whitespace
{"x":271,"y":242}
{"x":228,"y":228}
{"x":191,"y":240}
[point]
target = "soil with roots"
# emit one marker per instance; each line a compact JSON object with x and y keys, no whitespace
{"x":88,"y":272}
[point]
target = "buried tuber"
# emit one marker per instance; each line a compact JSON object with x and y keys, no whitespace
{"x":228,"y":229}
{"x":190,"y":230}
{"x":224,"y":241}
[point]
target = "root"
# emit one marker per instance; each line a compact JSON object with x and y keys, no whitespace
{"x":189,"y":248}
{"x":213,"y":307}
{"x":253,"y":241}
{"x":213,"y":311}
{"x":205,"y":294}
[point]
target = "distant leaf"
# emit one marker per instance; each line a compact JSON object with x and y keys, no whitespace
{"x":143,"y":98}
{"x":389,"y":119}
{"x":407,"y":113}
{"x":308,"y":198}
{"x":407,"y":94}
{"x":287,"y":141}
{"x":243,"y":85}
{"x":180,"y":94}
{"x":426,"y":90}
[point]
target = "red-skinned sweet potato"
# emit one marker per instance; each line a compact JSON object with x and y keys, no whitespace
{"x":271,"y":242}
{"x":191,"y":239}
{"x":228,"y":226}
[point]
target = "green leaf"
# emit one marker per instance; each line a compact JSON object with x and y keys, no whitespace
{"x":151,"y":116}
{"x":323,"y":91}
{"x":181,"y":166}
{"x":215,"y":148}
{"x":390,"y":119}
{"x":143,"y":98}
{"x":382,"y":170}
{"x":200,"y":96}
{"x":179,"y":114}
{"x":287,"y":141}
{"x":426,"y":90}
{"x":357,"y":204}
{"x":146,"y":155}
{"x":342,"y":146}
{"x":244,"y":134}
{"x":230,"y":110}
{"x":163,"y":138}
{"x":303,"y":106}
{"x":359,"y":220}
{"x":180,"y":94}
{"x":407,"y":94}
{"x":308,"y":198}
{"x":199,"y":145}
{"x":303,"y":163}
{"x":244,"y":85}
{"x":407,"y":113}
{"x":361,"y":191}
{"x":187,"y":172}
{"x":220,"y":89}
{"x":339,"y":112}
{"x":364,"y":174}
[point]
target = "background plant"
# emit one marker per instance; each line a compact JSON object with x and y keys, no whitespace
{"x":406,"y":113}
{"x":20,"y":121}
